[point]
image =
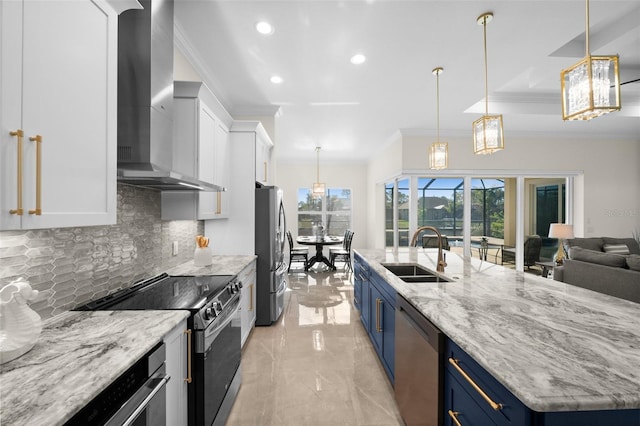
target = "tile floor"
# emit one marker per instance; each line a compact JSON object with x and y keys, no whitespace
{"x":316,"y":365}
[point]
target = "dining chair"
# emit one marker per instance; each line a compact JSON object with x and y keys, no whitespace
{"x":342,"y":254}
{"x":297,"y":254}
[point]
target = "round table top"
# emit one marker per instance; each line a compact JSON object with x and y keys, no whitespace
{"x":328,"y":240}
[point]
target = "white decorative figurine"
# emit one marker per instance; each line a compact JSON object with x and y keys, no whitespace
{"x":20,"y":326}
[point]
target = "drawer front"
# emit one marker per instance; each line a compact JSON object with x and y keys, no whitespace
{"x":461,"y":407}
{"x":510,"y":411}
{"x":385,"y":289}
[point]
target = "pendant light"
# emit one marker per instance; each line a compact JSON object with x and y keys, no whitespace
{"x":439,"y":152}
{"x":587,"y":89}
{"x":318,"y":188}
{"x":487,"y":130}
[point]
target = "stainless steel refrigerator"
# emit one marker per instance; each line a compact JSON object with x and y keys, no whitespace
{"x":271,"y":228}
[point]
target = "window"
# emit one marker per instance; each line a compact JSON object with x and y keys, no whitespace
{"x":332,"y":210}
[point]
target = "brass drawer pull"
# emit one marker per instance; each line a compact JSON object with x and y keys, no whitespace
{"x":189,"y":378}
{"x":218,"y":203}
{"x":454,"y":417}
{"x":38,"y":140}
{"x":495,"y":405}
{"x":378,"y":319}
{"x":20,"y":134}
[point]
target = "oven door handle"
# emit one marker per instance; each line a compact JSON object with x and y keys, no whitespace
{"x":131,"y":409}
{"x":225,"y":322}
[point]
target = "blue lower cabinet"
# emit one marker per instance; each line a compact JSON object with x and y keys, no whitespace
{"x":460,"y":408}
{"x":376,"y":300}
{"x":382,"y":328}
{"x":493,"y":404}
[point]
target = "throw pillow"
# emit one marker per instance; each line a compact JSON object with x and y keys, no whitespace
{"x":599,"y":257}
{"x":634,"y":248}
{"x":633,"y":262}
{"x":594,"y":243}
{"x":616,"y":248}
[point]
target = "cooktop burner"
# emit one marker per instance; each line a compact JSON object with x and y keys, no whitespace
{"x":164,"y":292}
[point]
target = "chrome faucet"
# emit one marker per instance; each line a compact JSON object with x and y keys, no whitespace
{"x":414,"y":239}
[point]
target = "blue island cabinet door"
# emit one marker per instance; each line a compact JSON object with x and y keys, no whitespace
{"x":389,"y":337}
{"x":365,"y":306}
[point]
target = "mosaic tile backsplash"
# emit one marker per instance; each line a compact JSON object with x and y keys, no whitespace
{"x":71,"y":266}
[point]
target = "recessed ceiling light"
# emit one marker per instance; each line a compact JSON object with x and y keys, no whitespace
{"x":264,"y":27}
{"x":358,"y":59}
{"x":276,"y":79}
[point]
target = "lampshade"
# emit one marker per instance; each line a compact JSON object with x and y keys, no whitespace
{"x":560,"y":230}
{"x":487,"y":131}
{"x":439,"y":151}
{"x":591,"y":87}
{"x":318,"y":187}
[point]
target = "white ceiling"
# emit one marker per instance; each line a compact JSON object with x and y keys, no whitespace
{"x":350,"y":111}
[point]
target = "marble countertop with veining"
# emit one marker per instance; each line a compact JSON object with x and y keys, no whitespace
{"x":77,"y":355}
{"x":555,"y":346}
{"x":221,"y":265}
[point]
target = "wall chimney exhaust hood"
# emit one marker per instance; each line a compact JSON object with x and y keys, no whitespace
{"x":145,"y":101}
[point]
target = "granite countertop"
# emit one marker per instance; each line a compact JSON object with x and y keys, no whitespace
{"x":222,"y":265}
{"x":77,"y":355}
{"x":555,"y":346}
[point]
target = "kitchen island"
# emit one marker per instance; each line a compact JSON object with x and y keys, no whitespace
{"x":77,"y":355}
{"x":556,"y":347}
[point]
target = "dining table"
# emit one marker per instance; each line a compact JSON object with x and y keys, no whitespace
{"x":319,"y":242}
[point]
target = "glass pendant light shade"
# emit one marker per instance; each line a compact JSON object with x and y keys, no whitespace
{"x":487,"y":134}
{"x":591,"y":87}
{"x":318,"y":187}
{"x":439,"y":151}
{"x":439,"y":156}
{"x":487,"y":130}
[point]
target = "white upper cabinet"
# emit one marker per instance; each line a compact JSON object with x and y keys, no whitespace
{"x":58,"y":113}
{"x":201,"y":130}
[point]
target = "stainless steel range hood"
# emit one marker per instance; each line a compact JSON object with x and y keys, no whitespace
{"x":145,"y":101}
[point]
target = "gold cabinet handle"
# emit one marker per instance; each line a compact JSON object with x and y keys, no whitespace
{"x":250,"y":297}
{"x":189,"y":378}
{"x":454,"y":417}
{"x":20,"y":134}
{"x":218,"y":202}
{"x":495,"y":405}
{"x":38,"y":140}
{"x":265,"y":171}
{"x":378,"y":319}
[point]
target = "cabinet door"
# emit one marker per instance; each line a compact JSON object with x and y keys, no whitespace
{"x":69,"y":99}
{"x":219,"y":201}
{"x":176,"y":364}
{"x":365,"y":313}
{"x":388,"y":316}
{"x":377,"y":318}
{"x":460,"y":407}
{"x":248,"y":300}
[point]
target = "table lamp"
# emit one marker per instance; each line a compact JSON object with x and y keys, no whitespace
{"x":560,"y":231}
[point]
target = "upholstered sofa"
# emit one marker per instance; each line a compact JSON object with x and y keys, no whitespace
{"x":603,"y":264}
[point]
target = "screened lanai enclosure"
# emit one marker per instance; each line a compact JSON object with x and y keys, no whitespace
{"x":440,"y":204}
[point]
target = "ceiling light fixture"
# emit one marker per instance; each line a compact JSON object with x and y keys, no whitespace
{"x":587,"y":91}
{"x":439,"y":152}
{"x":264,"y":28}
{"x":318,"y":188}
{"x":487,"y":130}
{"x":276,"y":79}
{"x":358,"y":59}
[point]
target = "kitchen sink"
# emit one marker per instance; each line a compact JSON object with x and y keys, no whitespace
{"x":414,"y":273}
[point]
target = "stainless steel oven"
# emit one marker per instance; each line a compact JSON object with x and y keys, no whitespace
{"x":214,"y":303}
{"x":218,"y":354}
{"x":136,"y":398}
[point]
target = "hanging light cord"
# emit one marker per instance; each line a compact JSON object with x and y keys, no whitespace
{"x":318,"y":164}
{"x":438,"y":106}
{"x":486,"y":68}
{"x":586,"y":44}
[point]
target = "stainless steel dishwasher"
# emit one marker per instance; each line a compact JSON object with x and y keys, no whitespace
{"x":418,"y":367}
